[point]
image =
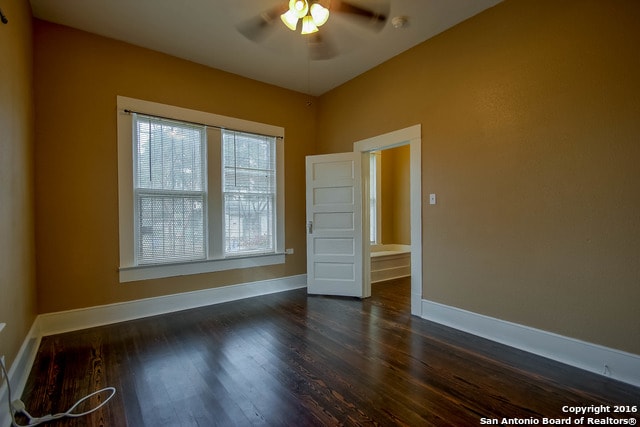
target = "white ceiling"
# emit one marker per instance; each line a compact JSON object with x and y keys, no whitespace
{"x":204,"y":31}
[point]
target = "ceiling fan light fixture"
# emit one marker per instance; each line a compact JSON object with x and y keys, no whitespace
{"x":308,"y":26}
{"x":299,"y":7}
{"x":319,"y":13}
{"x":290,"y":19}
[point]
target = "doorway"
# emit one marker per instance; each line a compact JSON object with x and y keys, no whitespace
{"x":409,"y":136}
{"x":389,"y":215}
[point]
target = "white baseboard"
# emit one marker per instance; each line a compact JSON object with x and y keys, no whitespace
{"x":72,"y":320}
{"x":19,"y":372}
{"x":613,"y":363}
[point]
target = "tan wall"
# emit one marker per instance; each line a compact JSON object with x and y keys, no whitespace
{"x":530,"y":118}
{"x":17,"y":261}
{"x":396,"y":218}
{"x":77,"y":79}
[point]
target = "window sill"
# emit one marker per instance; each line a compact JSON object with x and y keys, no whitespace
{"x":146,"y":272}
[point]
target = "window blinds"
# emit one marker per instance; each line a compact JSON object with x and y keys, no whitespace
{"x":169,"y":190}
{"x":249,"y":188}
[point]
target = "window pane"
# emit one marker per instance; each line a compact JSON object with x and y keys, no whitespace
{"x":169,"y":155}
{"x":249,"y":192}
{"x":171,"y":228}
{"x":248,"y":223}
{"x":249,"y":163}
{"x":373,"y":199}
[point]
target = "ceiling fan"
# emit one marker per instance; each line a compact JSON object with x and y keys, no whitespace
{"x":307,"y":16}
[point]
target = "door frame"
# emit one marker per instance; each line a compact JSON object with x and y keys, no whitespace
{"x":408,"y":136}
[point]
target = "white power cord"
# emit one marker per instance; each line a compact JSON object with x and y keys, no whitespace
{"x":18,"y":406}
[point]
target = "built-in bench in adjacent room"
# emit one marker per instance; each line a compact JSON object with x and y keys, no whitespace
{"x":390,"y":262}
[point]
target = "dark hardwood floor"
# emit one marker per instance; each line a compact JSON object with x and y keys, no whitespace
{"x":297,"y":360}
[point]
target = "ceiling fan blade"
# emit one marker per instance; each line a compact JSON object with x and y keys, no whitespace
{"x":259,"y":27}
{"x":372,"y":19}
{"x":320,"y":47}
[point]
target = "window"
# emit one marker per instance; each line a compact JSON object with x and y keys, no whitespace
{"x":249,"y":192}
{"x":169,"y":190}
{"x":375,"y":203}
{"x":194,"y":195}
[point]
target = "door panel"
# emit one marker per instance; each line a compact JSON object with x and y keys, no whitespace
{"x":334,"y":225}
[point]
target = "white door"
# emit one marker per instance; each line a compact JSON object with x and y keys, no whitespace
{"x":334,"y":225}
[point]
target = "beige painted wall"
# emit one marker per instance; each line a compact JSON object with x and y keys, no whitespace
{"x":17,"y":261}
{"x":396,"y":218}
{"x":77,"y":79}
{"x":530,"y":117}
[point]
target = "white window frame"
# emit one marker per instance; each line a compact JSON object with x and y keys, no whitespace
{"x":216,"y":260}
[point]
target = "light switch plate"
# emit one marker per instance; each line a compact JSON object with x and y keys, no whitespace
{"x":432,"y":199}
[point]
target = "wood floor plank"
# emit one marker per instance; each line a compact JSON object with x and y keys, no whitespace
{"x":289,"y":359}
